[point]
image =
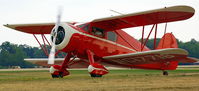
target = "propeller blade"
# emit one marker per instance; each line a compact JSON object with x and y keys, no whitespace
{"x":51,"y":57}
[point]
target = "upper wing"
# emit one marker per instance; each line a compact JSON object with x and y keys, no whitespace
{"x":36,"y":28}
{"x":153,"y":56}
{"x":40,"y":28}
{"x":168,"y":14}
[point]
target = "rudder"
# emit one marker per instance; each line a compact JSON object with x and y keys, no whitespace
{"x":167,"y":41}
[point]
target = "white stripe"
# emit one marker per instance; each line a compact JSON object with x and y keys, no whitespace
{"x":70,"y":31}
{"x":114,"y":43}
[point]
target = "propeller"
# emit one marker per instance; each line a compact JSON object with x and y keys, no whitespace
{"x":51,"y":57}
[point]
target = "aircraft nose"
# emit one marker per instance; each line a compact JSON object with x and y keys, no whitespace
{"x":60,"y":35}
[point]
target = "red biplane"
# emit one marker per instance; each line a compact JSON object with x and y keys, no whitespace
{"x":102,"y":42}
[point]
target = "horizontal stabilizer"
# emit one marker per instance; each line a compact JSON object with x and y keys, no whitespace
{"x":43,"y":61}
{"x":76,"y":63}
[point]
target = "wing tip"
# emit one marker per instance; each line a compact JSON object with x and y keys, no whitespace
{"x":183,"y":8}
{"x":189,"y":60}
{"x":9,"y":26}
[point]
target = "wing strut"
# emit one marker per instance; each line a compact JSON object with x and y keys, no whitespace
{"x":45,"y":44}
{"x":42,"y":47}
{"x":165,"y":30}
{"x":142,"y":37}
{"x":142,"y":47}
{"x":154,"y":47}
{"x":143,"y":43}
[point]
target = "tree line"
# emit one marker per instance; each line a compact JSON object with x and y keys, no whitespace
{"x":13,"y":54}
{"x":191,"y":46}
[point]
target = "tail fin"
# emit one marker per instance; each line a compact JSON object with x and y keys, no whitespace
{"x":167,"y":41}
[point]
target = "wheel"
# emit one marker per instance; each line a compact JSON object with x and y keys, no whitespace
{"x":94,"y":75}
{"x":61,"y":74}
{"x":165,"y":73}
{"x":57,"y":76}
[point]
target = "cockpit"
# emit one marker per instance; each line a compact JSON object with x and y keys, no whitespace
{"x":96,"y":31}
{"x":93,"y":30}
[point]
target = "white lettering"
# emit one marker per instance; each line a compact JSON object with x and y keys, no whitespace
{"x":143,"y":59}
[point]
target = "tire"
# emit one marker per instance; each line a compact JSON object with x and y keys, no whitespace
{"x":165,"y":73}
{"x":55,"y":76}
{"x":61,"y":75}
{"x":94,"y":75}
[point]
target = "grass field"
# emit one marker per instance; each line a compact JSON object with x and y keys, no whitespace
{"x":184,"y":79}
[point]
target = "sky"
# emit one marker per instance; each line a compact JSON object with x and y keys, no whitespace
{"x":44,"y":11}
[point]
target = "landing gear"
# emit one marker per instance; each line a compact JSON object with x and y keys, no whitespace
{"x":165,"y":73}
{"x":58,"y":71}
{"x":95,"y":69}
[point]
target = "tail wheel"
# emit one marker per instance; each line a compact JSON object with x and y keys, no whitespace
{"x":165,"y":73}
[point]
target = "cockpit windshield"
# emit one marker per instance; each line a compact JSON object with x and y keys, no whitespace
{"x":85,"y":27}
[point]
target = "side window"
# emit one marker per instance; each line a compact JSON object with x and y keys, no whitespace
{"x":111,"y":36}
{"x":81,"y":26}
{"x":97,"y":31}
{"x":85,"y":27}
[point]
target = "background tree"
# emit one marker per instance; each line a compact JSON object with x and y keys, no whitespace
{"x":12,"y":55}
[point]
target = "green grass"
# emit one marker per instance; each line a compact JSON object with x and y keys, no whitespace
{"x":44,"y":75}
{"x":116,"y":80}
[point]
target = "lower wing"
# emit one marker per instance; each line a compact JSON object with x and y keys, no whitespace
{"x":153,"y":56}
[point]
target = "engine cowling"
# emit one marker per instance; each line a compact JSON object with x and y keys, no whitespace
{"x":64,"y":34}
